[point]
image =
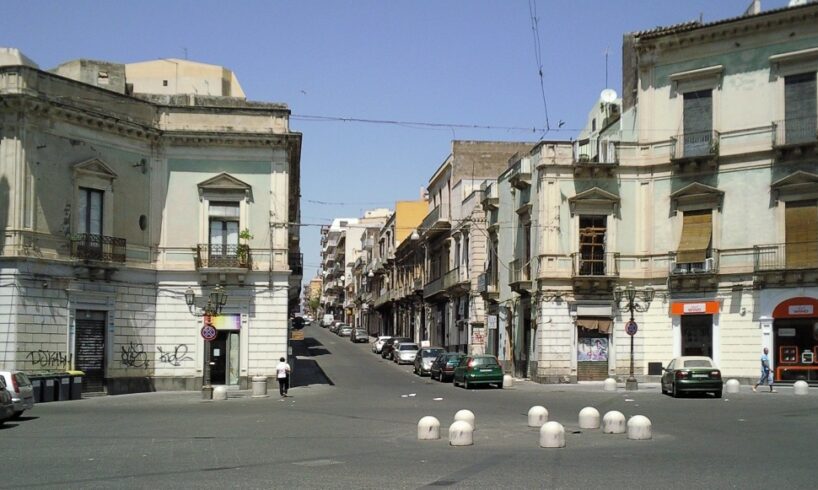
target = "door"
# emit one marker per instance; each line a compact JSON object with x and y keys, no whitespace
{"x":89,"y":349}
{"x":697,"y":335}
{"x":698,"y":123}
{"x":592,"y":350}
{"x":224,"y":358}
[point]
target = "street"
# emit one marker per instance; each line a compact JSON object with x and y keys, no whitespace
{"x":360,"y":431}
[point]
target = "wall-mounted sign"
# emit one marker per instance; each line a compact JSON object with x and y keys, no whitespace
{"x":224,"y":322}
{"x":492,"y":322}
{"x":797,"y":308}
{"x":694,"y":308}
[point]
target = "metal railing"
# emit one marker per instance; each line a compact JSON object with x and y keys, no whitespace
{"x":433,"y":287}
{"x":103,"y":248}
{"x":435,"y":216}
{"x":595,"y":150}
{"x":486,"y":283}
{"x":785,"y":256}
{"x":226,"y":256}
{"x":605,"y":264}
{"x":451,"y":278}
{"x":694,"y":144}
{"x":709,"y":266}
{"x":795,"y":131}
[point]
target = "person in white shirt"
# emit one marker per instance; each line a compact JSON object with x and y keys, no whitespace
{"x":283,"y":375}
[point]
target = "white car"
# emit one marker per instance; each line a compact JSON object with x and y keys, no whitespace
{"x":405,"y":353}
{"x":22,"y":393}
{"x":377,"y":346}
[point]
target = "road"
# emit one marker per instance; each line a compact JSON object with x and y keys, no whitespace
{"x":359,"y":430}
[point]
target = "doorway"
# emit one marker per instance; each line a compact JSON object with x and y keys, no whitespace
{"x":224,"y":358}
{"x":697,"y":335}
{"x":523,"y":341}
{"x":89,"y":349}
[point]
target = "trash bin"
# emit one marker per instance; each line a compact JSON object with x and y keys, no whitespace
{"x":62,"y":390}
{"x":48,"y":388}
{"x":76,"y":384}
{"x":37,"y":386}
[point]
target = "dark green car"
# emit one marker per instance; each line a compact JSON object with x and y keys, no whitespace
{"x":474,"y":370}
{"x":691,"y":374}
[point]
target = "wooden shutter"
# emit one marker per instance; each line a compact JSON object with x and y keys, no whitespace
{"x":799,"y":108}
{"x":801,"y":234}
{"x":698,"y":122}
{"x":697,"y":227}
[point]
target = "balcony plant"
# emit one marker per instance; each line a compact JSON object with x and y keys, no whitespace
{"x":243,"y":251}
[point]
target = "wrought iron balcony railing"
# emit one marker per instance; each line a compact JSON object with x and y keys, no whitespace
{"x":709,"y":266}
{"x":785,"y":256}
{"x":222,"y":256}
{"x":102,"y":248}
{"x":795,"y":131}
{"x":605,"y":264}
{"x":695,"y":144}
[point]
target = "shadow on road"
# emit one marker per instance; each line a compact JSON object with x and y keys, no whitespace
{"x":306,"y":371}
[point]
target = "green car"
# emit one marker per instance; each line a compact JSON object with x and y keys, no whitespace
{"x":474,"y":370}
{"x":692,"y":374}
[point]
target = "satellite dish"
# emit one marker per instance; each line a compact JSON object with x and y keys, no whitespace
{"x":608,"y":95}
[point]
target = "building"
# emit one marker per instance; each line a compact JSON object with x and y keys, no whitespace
{"x":333,"y":266}
{"x":120,"y":201}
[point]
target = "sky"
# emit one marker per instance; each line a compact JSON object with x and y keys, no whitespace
{"x":459,"y":63}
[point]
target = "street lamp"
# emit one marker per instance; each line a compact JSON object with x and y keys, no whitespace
{"x":635,"y":301}
{"x":215,"y":302}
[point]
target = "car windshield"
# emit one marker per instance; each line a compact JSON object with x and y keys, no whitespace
{"x":484,"y":361}
{"x":408,"y":347}
{"x":22,"y":379}
{"x":698,"y":363}
{"x":432,"y":352}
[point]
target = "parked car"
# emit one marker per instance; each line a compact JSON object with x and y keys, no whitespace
{"x":327,"y":320}
{"x":359,"y":335}
{"x":443,"y":366}
{"x":336,"y":324}
{"x":405,"y":352}
{"x":389,"y":345}
{"x":691,"y":374}
{"x":426,"y":356}
{"x":378,"y":344}
{"x":6,"y":403}
{"x":474,"y":370}
{"x":22,"y":393}
{"x":344,"y":331}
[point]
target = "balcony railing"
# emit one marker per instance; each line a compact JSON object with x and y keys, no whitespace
{"x":490,"y":197}
{"x":486,"y":284}
{"x":436,"y":221}
{"x":433,"y":287}
{"x":605,"y":264}
{"x":709,"y":266}
{"x":595,"y":151}
{"x":296,"y":262}
{"x":796,"y":131}
{"x":785,"y":256}
{"x":222,"y":256}
{"x":695,"y":144}
{"x":519,"y":271}
{"x":453,"y":277}
{"x":521,"y":175}
{"x":103,"y":248}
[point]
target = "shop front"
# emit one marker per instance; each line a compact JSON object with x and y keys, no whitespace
{"x":795,"y":340}
{"x":225,"y":349}
{"x":593,"y":338}
{"x":695,"y":328}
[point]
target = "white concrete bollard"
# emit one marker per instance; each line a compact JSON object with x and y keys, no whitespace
{"x":220,"y":393}
{"x":552,"y":434}
{"x":800,"y":387}
{"x":732,"y":386}
{"x":259,"y":386}
{"x":639,"y":428}
{"x":609,"y":384}
{"x":460,"y":434}
{"x":428,"y":429}
{"x":465,"y":416}
{"x":589,"y":418}
{"x":508,"y":381}
{"x":613,"y":423}
{"x":537,"y":415}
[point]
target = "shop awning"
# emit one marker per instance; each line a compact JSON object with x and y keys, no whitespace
{"x":696,"y":233}
{"x":590,"y":323}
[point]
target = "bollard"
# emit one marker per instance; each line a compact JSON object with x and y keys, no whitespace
{"x":537,"y":416}
{"x":613,"y":423}
{"x":639,"y":428}
{"x":589,"y":418}
{"x":732,"y":386}
{"x":428,"y":429}
{"x":460,"y":433}
{"x":220,"y":393}
{"x":800,"y":387}
{"x":609,"y":384}
{"x":259,"y":386}
{"x":508,"y":381}
{"x":466,"y":416}
{"x":552,"y":434}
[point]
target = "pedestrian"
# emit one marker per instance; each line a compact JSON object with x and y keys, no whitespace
{"x":766,"y":372}
{"x":283,"y":374}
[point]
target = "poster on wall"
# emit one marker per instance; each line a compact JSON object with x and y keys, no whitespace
{"x":592,"y":349}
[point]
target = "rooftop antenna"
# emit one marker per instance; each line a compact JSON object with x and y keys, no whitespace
{"x":606,"y":67}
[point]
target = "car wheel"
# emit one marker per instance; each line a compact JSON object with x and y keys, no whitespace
{"x":675,"y":391}
{"x":16,"y":415}
{"x":466,"y":384}
{"x":717,"y":394}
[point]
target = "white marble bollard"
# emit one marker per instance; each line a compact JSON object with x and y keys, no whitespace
{"x":460,"y":434}
{"x":732,"y":386}
{"x":800,"y":387}
{"x":428,"y":429}
{"x":639,"y":428}
{"x":613,"y":423}
{"x":552,"y":434}
{"x":465,"y":416}
{"x":537,"y":416}
{"x":609,"y":384}
{"x":508,"y":381}
{"x":220,"y":393}
{"x":259,"y":386}
{"x":589,"y":418}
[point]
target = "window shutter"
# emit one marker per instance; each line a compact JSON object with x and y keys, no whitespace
{"x":697,"y":227}
{"x":799,"y":108}
{"x":698,"y":122}
{"x":801,"y":229}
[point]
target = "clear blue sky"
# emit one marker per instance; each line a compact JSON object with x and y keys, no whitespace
{"x":461,"y":62}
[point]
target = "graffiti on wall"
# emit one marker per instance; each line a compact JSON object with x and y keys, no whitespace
{"x":174,"y":357}
{"x":134,"y":356}
{"x":49,"y":359}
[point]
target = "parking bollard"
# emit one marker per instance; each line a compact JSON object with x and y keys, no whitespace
{"x":219,"y":393}
{"x":613,"y":423}
{"x":639,"y":428}
{"x":537,"y":416}
{"x":732,"y":386}
{"x":609,"y":384}
{"x":508,"y":381}
{"x":552,"y":434}
{"x":589,"y":418}
{"x":428,"y":429}
{"x":259,"y":386}
{"x":466,"y":416}
{"x":460,"y":434}
{"x":800,"y":387}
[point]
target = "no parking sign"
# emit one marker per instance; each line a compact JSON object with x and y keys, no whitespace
{"x":631,"y":327}
{"x":209,"y":333}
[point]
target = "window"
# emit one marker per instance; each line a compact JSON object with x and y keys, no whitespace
{"x":801,"y":234}
{"x":527,"y":251}
{"x":592,"y":231}
{"x":224,"y":229}
{"x":466,"y":252}
{"x":800,"y":108}
{"x":698,"y":123}
{"x":90,"y":211}
{"x":694,"y":245}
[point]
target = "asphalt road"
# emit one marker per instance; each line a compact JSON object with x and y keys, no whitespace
{"x":358,"y":430}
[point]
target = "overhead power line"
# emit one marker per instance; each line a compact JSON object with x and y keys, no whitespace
{"x":420,"y":124}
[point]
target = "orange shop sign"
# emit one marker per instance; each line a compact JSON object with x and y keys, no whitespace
{"x":695,"y":308}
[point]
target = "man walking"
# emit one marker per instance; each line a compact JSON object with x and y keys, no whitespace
{"x":766,"y":372}
{"x":283,"y":375}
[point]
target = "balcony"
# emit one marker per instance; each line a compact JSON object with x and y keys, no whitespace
{"x":296,"y":262}
{"x":521,"y":175}
{"x":100,"y":248}
{"x":593,"y":157}
{"x":594,"y":273}
{"x":417,"y":285}
{"x":693,"y":276}
{"x":455,"y":282}
{"x":694,"y":151}
{"x":435,"y":223}
{"x":491,"y":199}
{"x":434,"y":289}
{"x":223,"y":258}
{"x":793,"y":137}
{"x":786,"y":264}
{"x":487,"y":287}
{"x":520,"y":277}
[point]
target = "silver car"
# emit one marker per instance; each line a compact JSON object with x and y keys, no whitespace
{"x":378,"y":344}
{"x":405,"y":353}
{"x":426,"y":356}
{"x":6,"y":403}
{"x":22,"y":393}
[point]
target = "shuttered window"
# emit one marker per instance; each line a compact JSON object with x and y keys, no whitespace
{"x":697,"y":228}
{"x":800,"y":108}
{"x":801,"y":229}
{"x":698,"y":122}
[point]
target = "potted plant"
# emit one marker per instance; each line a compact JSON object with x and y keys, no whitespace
{"x":243,"y":251}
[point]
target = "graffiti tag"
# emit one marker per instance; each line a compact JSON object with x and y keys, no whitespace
{"x":134,"y":356}
{"x":48,"y":358}
{"x":175,"y":357}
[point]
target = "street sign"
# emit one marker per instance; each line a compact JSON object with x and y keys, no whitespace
{"x":209,"y":333}
{"x":631,"y":327}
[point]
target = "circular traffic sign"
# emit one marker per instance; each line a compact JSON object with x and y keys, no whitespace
{"x":209,"y":333}
{"x":631,"y":327}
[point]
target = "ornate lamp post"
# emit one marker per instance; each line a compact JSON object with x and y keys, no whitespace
{"x":634,"y":301}
{"x":215,"y":302}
